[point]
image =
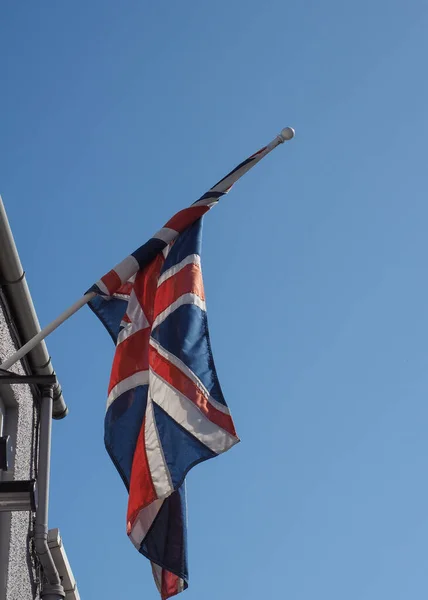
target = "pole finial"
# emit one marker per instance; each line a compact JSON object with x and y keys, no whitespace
{"x":287,"y":134}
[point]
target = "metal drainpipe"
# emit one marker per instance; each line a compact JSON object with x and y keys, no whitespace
{"x":51,"y":585}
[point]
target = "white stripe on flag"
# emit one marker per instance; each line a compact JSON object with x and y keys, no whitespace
{"x":140,"y":378}
{"x":194,"y":259}
{"x":184,"y":299}
{"x":166,"y":250}
{"x":102,"y":287}
{"x":136,"y":316}
{"x":188,"y":415}
{"x":135,"y":311}
{"x":166,"y":234}
{"x":157,"y":464}
{"x":126,"y":268}
{"x":143,"y":522}
{"x":157,"y":576}
{"x":190,"y":374}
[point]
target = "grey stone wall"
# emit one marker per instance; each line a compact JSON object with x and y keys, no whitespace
{"x":18,"y":576}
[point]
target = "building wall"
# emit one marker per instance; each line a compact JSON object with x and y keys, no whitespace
{"x":18,"y":575}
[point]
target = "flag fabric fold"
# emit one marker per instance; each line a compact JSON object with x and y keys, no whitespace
{"x":165,"y":409}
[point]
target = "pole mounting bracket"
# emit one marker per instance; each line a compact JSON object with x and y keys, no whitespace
{"x":7,"y":377}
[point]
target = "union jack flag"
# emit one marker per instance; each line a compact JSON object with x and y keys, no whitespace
{"x":165,"y":410}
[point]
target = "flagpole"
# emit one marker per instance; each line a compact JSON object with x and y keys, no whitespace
{"x":286,"y":134}
{"x":26,"y":348}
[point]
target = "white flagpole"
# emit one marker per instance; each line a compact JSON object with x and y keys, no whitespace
{"x":46,"y":331}
{"x":286,"y":134}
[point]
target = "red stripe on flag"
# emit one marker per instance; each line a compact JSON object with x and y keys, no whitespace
{"x":178,"y":380}
{"x":186,"y":217}
{"x":188,"y":280}
{"x":112,"y":281}
{"x":131,"y":356}
{"x":169,"y":584}
{"x":125,"y":289}
{"x":145,"y":286}
{"x":141,"y":489}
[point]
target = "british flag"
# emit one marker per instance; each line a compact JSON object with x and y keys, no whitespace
{"x":165,"y":410}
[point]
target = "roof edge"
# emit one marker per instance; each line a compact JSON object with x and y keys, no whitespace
{"x":21,"y":304}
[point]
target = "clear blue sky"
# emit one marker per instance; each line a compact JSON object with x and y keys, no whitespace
{"x":116,"y":114}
